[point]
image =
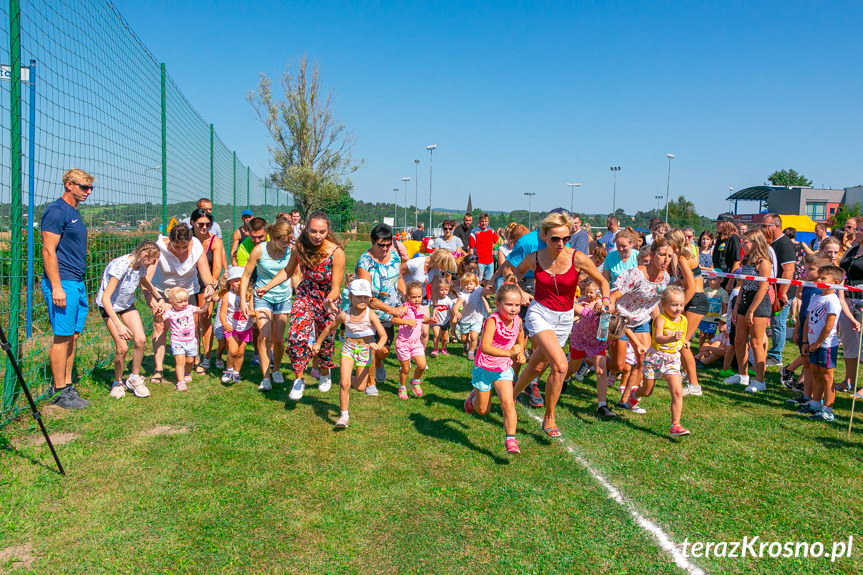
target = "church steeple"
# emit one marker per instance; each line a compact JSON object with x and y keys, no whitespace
{"x":469,"y":205}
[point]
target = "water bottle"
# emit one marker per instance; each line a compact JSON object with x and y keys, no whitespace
{"x":602,"y":332}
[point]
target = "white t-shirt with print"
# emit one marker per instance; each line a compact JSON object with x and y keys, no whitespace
{"x":128,"y":279}
{"x":820,"y":306}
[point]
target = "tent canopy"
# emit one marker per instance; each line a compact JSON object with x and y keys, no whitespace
{"x":799,"y":223}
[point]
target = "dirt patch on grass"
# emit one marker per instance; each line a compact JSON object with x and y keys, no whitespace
{"x":18,"y":556}
{"x":56,"y":439}
{"x":165,"y":430}
{"x":51,"y":411}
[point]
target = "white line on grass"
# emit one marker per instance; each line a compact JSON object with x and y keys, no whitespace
{"x":665,"y":542}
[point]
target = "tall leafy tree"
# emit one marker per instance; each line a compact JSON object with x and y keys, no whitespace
{"x":789,"y":178}
{"x":311,"y":149}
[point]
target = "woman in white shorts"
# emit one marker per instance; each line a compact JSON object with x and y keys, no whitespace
{"x":550,"y":315}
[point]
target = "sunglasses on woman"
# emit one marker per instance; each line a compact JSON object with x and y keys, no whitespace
{"x":383,"y":245}
{"x":558,"y":239}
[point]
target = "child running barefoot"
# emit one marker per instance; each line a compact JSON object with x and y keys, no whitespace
{"x":184,"y":342}
{"x":663,"y":356}
{"x":502,"y":342}
{"x":409,"y":343}
{"x":442,"y":315}
{"x":361,"y":326}
{"x":237,"y":327}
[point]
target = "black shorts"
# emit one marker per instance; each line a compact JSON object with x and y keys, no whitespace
{"x":391,"y":335}
{"x":763,"y":309}
{"x":444,"y":327}
{"x":105,"y":315}
{"x":698,"y":304}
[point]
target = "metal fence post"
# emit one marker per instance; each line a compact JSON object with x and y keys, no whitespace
{"x":212,"y":181}
{"x":31,"y":199}
{"x":164,"y":226}
{"x":15,"y":191}
{"x":235,"y":192}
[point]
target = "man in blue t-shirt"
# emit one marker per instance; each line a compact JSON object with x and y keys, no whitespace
{"x":64,"y":255}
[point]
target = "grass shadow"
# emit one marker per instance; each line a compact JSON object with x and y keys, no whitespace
{"x":7,"y":447}
{"x":446,"y":430}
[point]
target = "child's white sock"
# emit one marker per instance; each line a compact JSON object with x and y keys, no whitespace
{"x":345,"y":414}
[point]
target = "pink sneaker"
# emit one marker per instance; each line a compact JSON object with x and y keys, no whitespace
{"x":468,"y":403}
{"x":470,"y":356}
{"x":181,"y":386}
{"x":511,"y":445}
{"x":434,"y":352}
{"x":415,"y":387}
{"x":677,"y":430}
{"x":444,"y":352}
{"x":403,"y":393}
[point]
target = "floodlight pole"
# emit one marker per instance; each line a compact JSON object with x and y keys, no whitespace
{"x":530,"y":196}
{"x":668,"y":185}
{"x":431,"y":149}
{"x":572,"y":194}
{"x":614,"y":170}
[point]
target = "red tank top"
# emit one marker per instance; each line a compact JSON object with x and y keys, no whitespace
{"x":556,"y":291}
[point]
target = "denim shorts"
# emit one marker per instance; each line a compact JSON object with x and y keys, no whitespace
{"x":71,"y":319}
{"x":280,"y":308}
{"x":187,"y":348}
{"x":485,"y":271}
{"x":483,"y":379}
{"x":824,"y":357}
{"x":466,"y":326}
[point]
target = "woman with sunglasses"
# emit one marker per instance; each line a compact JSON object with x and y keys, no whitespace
{"x":271,"y":310}
{"x":449,"y":241}
{"x":381,"y":266}
{"x":181,"y":262}
{"x":550,"y":315}
{"x":214,"y":249}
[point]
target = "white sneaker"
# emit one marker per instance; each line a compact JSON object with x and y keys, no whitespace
{"x":733,"y":379}
{"x":136,"y":385}
{"x":226,"y":377}
{"x":118,"y":391}
{"x":371,"y":389}
{"x":343,"y":421}
{"x":220,"y":364}
{"x":265,"y":385}
{"x":297,"y":390}
{"x":325,"y":383}
{"x":690,"y":389}
{"x":278,"y":377}
{"x":756,"y":386}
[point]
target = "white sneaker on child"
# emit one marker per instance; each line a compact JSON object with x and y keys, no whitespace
{"x":278,"y":377}
{"x":265,"y":385}
{"x":325,"y":383}
{"x":226,"y":376}
{"x":756,"y":386}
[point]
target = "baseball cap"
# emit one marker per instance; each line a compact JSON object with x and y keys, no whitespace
{"x":360,"y":287}
{"x":247,"y":212}
{"x":235,"y":273}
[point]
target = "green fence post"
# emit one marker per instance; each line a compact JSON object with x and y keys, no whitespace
{"x":164,"y":225}
{"x":212,"y":181}
{"x":265,"y":199}
{"x":15,"y":183}
{"x":235,"y":191}
{"x":248,"y":187}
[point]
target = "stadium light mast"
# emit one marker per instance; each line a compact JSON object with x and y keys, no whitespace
{"x":431,"y":150}
{"x":572,"y":194}
{"x":406,"y":180}
{"x":416,"y":193}
{"x":668,"y":185}
{"x":614,"y":170}
{"x":529,"y":195}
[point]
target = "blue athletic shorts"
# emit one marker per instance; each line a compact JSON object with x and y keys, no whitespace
{"x":483,"y":379}
{"x":71,"y":319}
{"x":824,"y":357}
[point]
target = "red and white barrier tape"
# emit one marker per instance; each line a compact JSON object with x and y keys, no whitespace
{"x":802,"y":283}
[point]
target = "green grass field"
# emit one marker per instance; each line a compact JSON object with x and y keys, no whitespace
{"x":224,"y":479}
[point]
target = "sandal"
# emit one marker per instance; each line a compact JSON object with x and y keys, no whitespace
{"x":156,"y":378}
{"x":553,"y":431}
{"x":199,"y":369}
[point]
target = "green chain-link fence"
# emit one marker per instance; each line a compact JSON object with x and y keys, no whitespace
{"x":79,"y":89}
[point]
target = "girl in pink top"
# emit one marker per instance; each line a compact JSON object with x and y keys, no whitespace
{"x":501,"y":342}
{"x":409,"y":343}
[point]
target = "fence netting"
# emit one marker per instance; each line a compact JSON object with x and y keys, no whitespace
{"x":91,"y":98}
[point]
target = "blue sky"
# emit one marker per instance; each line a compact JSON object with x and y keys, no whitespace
{"x":524,"y":97}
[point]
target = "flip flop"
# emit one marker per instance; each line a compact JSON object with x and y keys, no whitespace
{"x":553,"y":431}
